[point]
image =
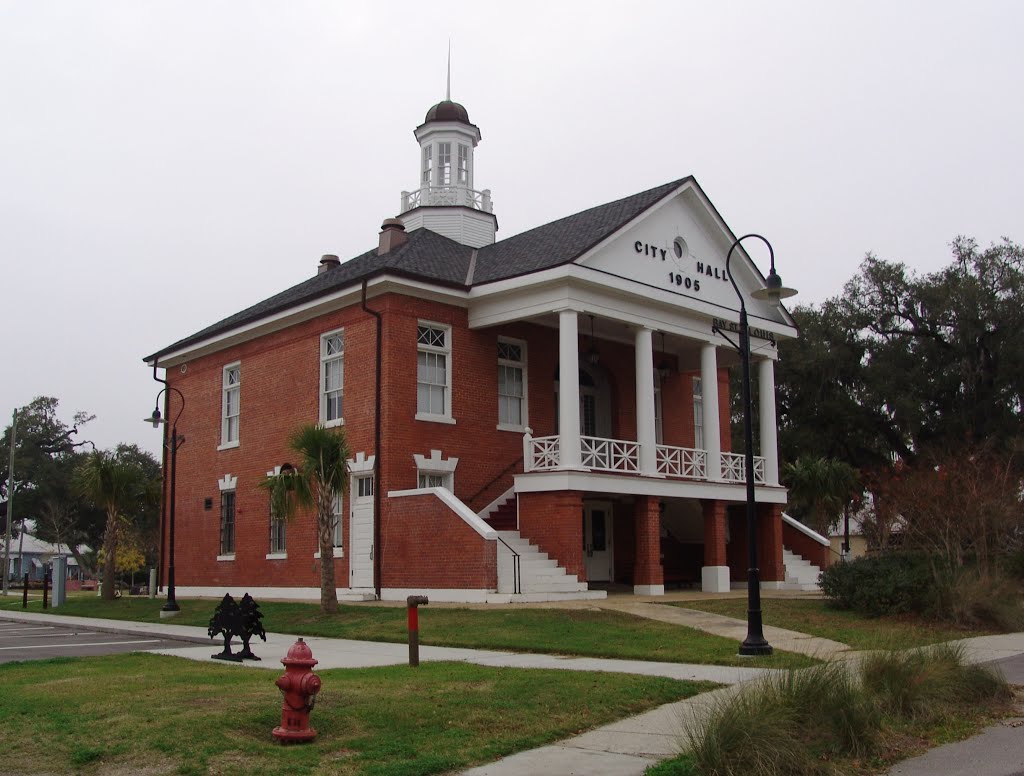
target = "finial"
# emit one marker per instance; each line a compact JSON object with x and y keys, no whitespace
{"x":448,"y":89}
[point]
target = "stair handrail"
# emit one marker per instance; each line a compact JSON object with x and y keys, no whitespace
{"x":517,"y":587}
{"x":494,"y":479}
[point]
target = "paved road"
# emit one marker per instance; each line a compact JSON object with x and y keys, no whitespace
{"x":38,"y":641}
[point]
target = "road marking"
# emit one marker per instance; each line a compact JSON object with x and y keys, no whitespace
{"x":33,"y":628}
{"x":50,"y":635}
{"x":92,"y":644}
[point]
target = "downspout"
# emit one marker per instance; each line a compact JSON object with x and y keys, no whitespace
{"x":163,"y":483}
{"x":376,"y":446}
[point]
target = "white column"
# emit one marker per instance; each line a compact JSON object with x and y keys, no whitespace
{"x":645,"y":426}
{"x":712,"y":429}
{"x":568,"y":390}
{"x":769,"y":432}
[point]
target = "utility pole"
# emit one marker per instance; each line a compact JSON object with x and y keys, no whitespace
{"x":10,"y":503}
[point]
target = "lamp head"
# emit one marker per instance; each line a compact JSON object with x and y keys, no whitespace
{"x":155,"y":418}
{"x":773,"y":292}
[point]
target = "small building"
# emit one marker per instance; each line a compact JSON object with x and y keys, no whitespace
{"x":33,"y":556}
{"x":537,"y":417}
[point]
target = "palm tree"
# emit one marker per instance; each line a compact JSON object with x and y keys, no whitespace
{"x":321,"y":474}
{"x":119,"y":488}
{"x":820,"y":489}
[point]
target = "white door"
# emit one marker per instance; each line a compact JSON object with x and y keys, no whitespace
{"x":597,"y":541}
{"x":361,"y":532}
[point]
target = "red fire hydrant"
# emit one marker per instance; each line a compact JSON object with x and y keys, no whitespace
{"x":299,"y":685}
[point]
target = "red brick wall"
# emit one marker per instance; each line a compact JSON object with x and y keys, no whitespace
{"x":803,"y":545}
{"x":769,"y":542}
{"x":436,"y":547}
{"x":554,"y":522}
{"x":624,"y":541}
{"x":714,"y":532}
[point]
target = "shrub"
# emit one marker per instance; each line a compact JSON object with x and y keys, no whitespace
{"x":891,"y":583}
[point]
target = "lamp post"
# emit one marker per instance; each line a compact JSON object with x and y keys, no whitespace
{"x":773,"y":292}
{"x":170,"y":608}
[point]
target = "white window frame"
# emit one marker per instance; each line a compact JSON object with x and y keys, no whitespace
{"x":659,"y":410}
{"x":226,"y":441}
{"x":463,"y":165}
{"x":435,"y":466}
{"x":427,"y":174}
{"x":521,"y":365}
{"x":326,"y":359}
{"x":225,"y":484}
{"x":282,"y":552}
{"x":444,"y":164}
{"x":446,"y":351}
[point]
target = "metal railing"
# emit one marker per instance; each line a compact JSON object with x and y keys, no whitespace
{"x":517,"y":579}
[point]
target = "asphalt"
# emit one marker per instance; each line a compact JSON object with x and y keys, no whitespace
{"x":627,"y":747}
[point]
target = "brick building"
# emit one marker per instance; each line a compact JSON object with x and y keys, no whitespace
{"x":552,"y":413}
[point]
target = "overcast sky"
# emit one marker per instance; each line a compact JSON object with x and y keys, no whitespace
{"x":165,"y":164}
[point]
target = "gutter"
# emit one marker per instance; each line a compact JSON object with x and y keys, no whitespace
{"x":376,"y":444}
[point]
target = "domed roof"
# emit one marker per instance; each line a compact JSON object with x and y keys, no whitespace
{"x":446,"y":110}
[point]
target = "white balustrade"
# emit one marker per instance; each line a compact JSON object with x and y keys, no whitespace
{"x":734,"y":468}
{"x":610,"y":455}
{"x":542,"y":453}
{"x":682,"y":462}
{"x":447,"y":195}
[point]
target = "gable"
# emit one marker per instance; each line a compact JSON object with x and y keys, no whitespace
{"x":680,"y":246}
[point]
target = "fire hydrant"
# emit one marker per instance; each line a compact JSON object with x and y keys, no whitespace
{"x":299,"y":685}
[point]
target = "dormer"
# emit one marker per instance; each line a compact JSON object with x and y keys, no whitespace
{"x":446,"y":201}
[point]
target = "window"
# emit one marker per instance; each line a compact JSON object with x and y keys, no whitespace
{"x":698,"y":414}
{"x":434,"y":480}
{"x":511,"y":384}
{"x":658,"y":413}
{"x":277,"y":534}
{"x":463,"y":165}
{"x":444,"y":164}
{"x":227,"y":522}
{"x":230,"y":406}
{"x":336,"y":513}
{"x":332,"y":377}
{"x":428,"y":165}
{"x":433,"y":374}
{"x":435,"y":471}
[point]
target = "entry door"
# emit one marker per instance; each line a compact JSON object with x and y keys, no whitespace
{"x":361,"y":533}
{"x":597,"y":541}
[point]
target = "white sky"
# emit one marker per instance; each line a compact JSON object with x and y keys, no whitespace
{"x":165,"y":164}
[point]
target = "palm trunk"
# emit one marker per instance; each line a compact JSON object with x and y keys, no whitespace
{"x":324,"y":518}
{"x":110,"y":555}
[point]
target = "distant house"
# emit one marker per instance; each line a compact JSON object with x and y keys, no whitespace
{"x":32,"y":555}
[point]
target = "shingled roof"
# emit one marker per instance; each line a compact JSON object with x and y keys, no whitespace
{"x":437,"y":259}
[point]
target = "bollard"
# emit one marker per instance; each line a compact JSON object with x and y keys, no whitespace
{"x":46,"y":588}
{"x":414,"y":602}
{"x":24,"y":593}
{"x":152,"y":583}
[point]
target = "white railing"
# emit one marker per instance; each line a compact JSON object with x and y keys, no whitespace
{"x":734,"y":468}
{"x":623,"y":457}
{"x":541,"y":453}
{"x":682,"y":462}
{"x":610,"y":455}
{"x":447,"y":195}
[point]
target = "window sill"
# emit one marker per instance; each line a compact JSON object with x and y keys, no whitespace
{"x":226,"y":557}
{"x":339,"y":552}
{"x":229,"y":445}
{"x":435,"y":418}
{"x":332,"y":423}
{"x":507,"y":427}
{"x":277,"y":555}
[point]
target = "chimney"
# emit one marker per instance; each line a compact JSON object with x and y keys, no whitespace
{"x":392,"y":236}
{"x":328,"y":261}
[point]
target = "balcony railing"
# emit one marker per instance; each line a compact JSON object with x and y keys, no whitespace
{"x":447,"y":195}
{"x":620,"y":456}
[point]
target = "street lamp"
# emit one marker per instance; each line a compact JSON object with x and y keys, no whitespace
{"x":170,"y":608}
{"x":773,"y":292}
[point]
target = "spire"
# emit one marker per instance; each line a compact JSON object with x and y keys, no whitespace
{"x":448,"y":88}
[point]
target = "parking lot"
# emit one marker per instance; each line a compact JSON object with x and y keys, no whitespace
{"x":38,"y":641}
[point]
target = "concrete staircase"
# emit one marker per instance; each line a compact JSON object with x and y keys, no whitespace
{"x":800,"y":574}
{"x":541,"y":578}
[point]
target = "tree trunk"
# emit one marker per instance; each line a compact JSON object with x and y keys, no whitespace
{"x":324,"y":518}
{"x":110,"y":555}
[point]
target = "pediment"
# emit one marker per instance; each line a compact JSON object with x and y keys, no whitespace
{"x":680,"y":246}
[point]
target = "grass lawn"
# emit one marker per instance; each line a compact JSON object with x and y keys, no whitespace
{"x":555,"y":631}
{"x":816,"y":618}
{"x":151,"y":714}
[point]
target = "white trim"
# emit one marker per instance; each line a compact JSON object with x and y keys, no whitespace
{"x":229,"y":556}
{"x":439,"y":595}
{"x":435,"y":465}
{"x":229,"y":445}
{"x":227,"y":482}
{"x":493,"y":506}
{"x":434,"y":418}
{"x":287,"y":593}
{"x":638,"y":485}
{"x":277,"y":555}
{"x":361,"y":464}
{"x":225,"y":418}
{"x":321,"y":388}
{"x":339,"y":552}
{"x":521,"y":365}
{"x":446,"y":350}
{"x":805,"y":530}
{"x":454,"y":504}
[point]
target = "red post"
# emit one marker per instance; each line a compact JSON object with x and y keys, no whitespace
{"x":413,"y":602}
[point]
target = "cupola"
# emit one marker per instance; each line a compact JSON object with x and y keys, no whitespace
{"x":447,"y":201}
